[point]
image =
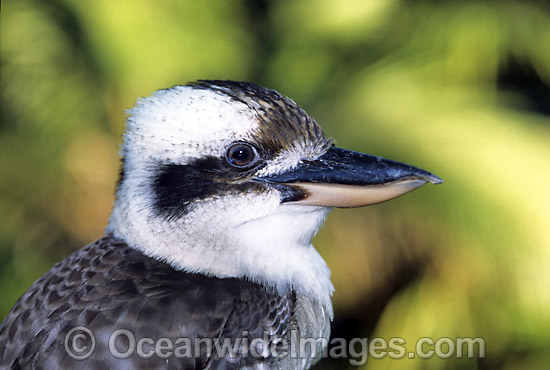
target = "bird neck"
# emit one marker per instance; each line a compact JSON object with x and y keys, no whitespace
{"x":273,"y":250}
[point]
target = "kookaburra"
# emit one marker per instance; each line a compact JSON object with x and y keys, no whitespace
{"x":223,"y":185}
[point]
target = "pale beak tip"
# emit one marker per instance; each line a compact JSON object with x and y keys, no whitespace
{"x":433,"y":179}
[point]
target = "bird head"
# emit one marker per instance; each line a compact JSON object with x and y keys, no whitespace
{"x":230,"y":179}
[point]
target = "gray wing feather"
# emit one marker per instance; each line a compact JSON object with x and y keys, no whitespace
{"x":109,"y":286}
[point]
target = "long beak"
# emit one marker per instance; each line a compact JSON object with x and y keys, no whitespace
{"x":343,"y":178}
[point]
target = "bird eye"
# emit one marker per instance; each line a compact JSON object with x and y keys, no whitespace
{"x":241,"y":155}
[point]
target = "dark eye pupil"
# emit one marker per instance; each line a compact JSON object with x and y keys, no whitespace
{"x":240,"y":155}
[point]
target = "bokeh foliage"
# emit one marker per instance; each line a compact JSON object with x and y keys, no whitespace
{"x":460,"y":88}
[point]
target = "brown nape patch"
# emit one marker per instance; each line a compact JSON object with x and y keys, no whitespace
{"x":281,"y":122}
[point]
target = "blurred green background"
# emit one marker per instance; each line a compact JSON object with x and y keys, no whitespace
{"x":460,"y":88}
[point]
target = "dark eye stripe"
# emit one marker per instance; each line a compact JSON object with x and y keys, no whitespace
{"x":178,"y":186}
